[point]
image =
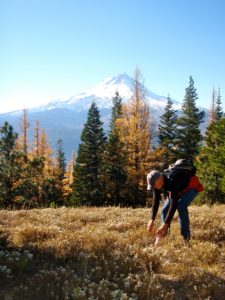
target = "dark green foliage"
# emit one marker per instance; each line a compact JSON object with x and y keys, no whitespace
{"x":58,"y":183}
{"x":28,"y":192}
{"x":114,"y":169}
{"x":189,"y":135}
{"x":8,"y":139}
{"x":167,"y":133}
{"x":9,"y":165}
{"x":116,"y":111}
{"x":61,"y":160}
{"x":211,"y":164}
{"x":218,"y":109}
{"x":50,"y":192}
{"x":88,"y":187}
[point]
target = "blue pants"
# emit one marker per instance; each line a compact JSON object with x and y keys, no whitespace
{"x":182,"y":208}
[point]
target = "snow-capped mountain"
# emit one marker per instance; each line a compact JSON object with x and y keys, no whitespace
{"x":64,"y":119}
{"x":103,"y":93}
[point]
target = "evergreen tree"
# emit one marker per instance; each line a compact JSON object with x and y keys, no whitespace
{"x":29,"y":188}
{"x":188,"y":133}
{"x":88,"y":185}
{"x":218,"y":109}
{"x":68,"y":180}
{"x":10,"y":162}
{"x":60,"y":172}
{"x":210,"y":163}
{"x":60,"y":159}
{"x":167,"y":133}
{"x":115,"y":159}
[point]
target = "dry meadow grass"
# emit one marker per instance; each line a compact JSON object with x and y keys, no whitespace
{"x":106,"y":253}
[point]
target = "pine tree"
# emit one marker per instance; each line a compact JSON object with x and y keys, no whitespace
{"x":115,"y":159}
{"x":88,"y":185}
{"x":10,"y":162}
{"x":218,"y":109}
{"x":60,"y":159}
{"x":188,"y":133}
{"x":60,"y":172}
{"x":167,"y":133}
{"x":210,"y":163}
{"x":68,"y":179}
{"x":29,"y":187}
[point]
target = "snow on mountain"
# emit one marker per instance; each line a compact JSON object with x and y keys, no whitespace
{"x":64,"y":119}
{"x":103,"y":93}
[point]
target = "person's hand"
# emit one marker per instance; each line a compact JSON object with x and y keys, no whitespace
{"x":162,"y":230}
{"x":150,"y":225}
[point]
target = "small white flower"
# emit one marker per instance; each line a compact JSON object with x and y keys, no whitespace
{"x":3,"y":268}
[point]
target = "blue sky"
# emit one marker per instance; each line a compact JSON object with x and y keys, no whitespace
{"x":58,"y":48}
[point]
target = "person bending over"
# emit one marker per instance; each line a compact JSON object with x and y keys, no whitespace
{"x":180,"y":188}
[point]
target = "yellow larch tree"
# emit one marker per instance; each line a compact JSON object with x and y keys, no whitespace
{"x":134,"y":128}
{"x":46,"y":152}
{"x":36,"y":144}
{"x":23,"y":137}
{"x":212,"y":111}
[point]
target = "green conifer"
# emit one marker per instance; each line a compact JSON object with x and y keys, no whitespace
{"x":115,"y":174}
{"x":88,"y":187}
{"x":218,"y":109}
{"x":210,"y":163}
{"x":167,"y":133}
{"x":189,"y":134}
{"x":60,"y":172}
{"x":10,"y":162}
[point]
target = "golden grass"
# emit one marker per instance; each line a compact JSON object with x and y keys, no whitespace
{"x":106,"y":253}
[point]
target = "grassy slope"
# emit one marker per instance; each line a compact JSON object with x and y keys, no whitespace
{"x":106,"y":253}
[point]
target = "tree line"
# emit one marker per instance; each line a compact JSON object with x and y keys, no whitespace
{"x":110,"y":169}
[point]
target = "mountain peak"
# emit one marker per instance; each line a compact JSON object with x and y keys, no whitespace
{"x":119,"y":79}
{"x":103,"y":94}
{"x":107,"y":88}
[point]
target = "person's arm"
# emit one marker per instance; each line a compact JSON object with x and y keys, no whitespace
{"x":155,"y":207}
